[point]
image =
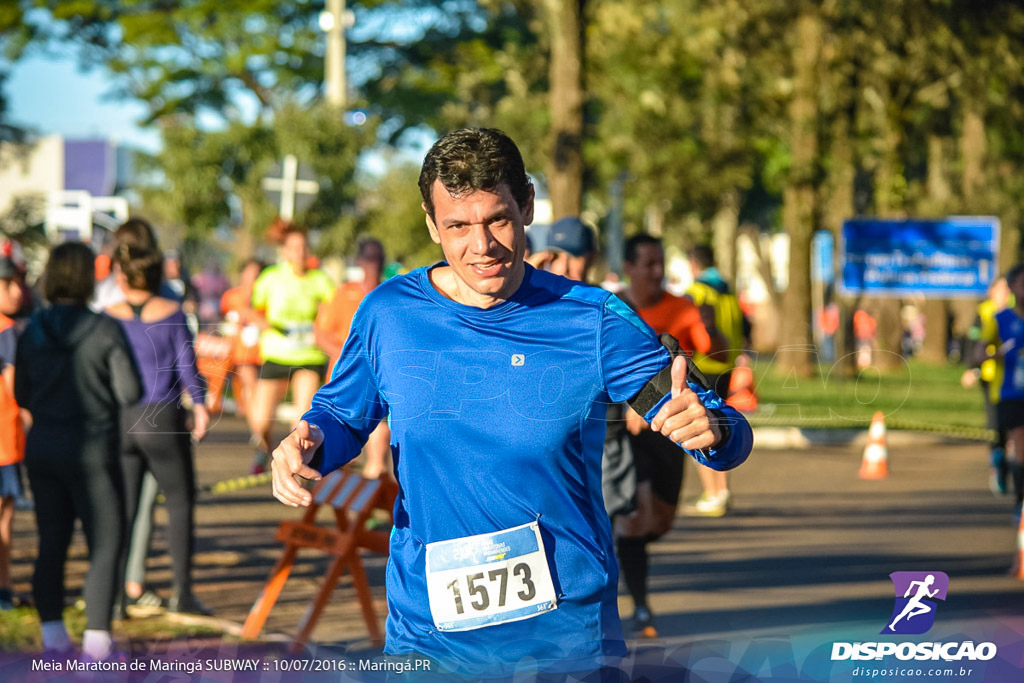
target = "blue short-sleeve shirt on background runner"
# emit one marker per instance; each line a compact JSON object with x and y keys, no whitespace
{"x":497,"y":430}
{"x":1011,"y":327}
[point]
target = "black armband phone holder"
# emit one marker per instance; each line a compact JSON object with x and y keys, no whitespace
{"x":661,"y":384}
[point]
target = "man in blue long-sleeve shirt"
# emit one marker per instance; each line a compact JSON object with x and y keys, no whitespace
{"x":495,"y":378}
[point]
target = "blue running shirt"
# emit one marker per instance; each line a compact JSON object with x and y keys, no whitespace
{"x":1010,"y":326}
{"x":498,"y":421}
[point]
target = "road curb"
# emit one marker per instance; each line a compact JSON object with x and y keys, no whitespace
{"x":794,"y":438}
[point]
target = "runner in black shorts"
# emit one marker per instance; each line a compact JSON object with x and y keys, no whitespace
{"x":1005,"y":333}
{"x":272,"y":370}
{"x":286,"y":299}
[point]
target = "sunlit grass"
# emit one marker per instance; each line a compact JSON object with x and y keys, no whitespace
{"x":914,"y":393}
{"x":19,"y":628}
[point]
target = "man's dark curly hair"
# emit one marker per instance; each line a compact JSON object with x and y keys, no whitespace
{"x":472,"y":159}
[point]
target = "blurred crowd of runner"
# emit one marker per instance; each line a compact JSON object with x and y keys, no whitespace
{"x":260,"y":343}
{"x":247,"y":344}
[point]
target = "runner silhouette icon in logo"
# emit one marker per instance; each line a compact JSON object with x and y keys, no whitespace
{"x":916,"y":588}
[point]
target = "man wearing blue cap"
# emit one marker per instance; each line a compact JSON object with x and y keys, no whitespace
{"x":569,"y":251}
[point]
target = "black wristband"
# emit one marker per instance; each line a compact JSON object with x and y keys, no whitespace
{"x":723,"y":426}
{"x":661,"y":384}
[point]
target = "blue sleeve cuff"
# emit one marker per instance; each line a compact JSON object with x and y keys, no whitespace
{"x":734,"y":451}
{"x":341,"y":444}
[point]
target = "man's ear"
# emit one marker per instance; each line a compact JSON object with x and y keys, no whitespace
{"x":527,"y":211}
{"x":431,"y":228}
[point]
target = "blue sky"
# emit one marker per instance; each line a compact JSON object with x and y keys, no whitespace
{"x":53,"y":96}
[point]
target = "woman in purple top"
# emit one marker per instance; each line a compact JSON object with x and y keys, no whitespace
{"x":157,"y":430}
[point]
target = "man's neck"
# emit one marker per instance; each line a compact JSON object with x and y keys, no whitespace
{"x":447,"y":283}
{"x":646,"y":298}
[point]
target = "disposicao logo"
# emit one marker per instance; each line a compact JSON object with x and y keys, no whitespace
{"x":914,"y":611}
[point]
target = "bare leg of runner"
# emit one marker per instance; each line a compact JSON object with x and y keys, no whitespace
{"x":6,"y":522}
{"x":1015,"y":462}
{"x":715,"y":499}
{"x":269,"y":393}
{"x":244,"y":383}
{"x":304,"y":385}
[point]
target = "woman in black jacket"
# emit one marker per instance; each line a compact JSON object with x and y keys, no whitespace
{"x":74,"y":372}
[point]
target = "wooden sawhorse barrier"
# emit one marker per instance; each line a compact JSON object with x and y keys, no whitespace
{"x":353,"y":499}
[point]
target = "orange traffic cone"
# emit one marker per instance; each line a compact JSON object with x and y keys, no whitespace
{"x":875,"y":464}
{"x":741,"y":386}
{"x":1018,"y":562}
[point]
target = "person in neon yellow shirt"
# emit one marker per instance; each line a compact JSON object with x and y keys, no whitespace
{"x":989,"y":374}
{"x":285,"y":301}
{"x":721,"y":314}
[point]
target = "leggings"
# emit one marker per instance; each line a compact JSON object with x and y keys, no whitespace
{"x":141,"y":531}
{"x":157,"y":441}
{"x":76,"y":478}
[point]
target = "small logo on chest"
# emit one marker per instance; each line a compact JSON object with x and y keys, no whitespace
{"x":518,"y":359}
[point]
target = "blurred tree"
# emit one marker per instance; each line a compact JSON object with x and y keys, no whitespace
{"x":565,"y":173}
{"x":674,"y":101}
{"x":226,"y":59}
{"x":390,"y":211}
{"x":9,"y":133}
{"x":474,"y":64}
{"x":197,"y":171}
{"x":799,"y":215}
{"x":716,"y":112}
{"x":234,"y":86}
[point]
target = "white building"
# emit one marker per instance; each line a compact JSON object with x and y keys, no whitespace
{"x":68,"y":184}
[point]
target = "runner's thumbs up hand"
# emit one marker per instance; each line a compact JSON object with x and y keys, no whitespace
{"x":684,"y":419}
{"x":290,"y":458}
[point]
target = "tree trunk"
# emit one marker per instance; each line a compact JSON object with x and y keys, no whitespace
{"x":796,"y":350}
{"x":890,"y":193}
{"x":838,"y":206}
{"x":936,"y":311}
{"x":565,"y":176}
{"x":972,"y":149}
{"x":724,"y":226}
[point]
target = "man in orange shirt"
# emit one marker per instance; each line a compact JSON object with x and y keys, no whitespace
{"x":659,"y":469}
{"x":332,"y":326}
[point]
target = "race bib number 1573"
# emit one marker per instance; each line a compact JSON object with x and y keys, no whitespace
{"x":489,"y":579}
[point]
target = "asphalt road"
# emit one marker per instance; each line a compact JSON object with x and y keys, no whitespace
{"x":802,"y":561}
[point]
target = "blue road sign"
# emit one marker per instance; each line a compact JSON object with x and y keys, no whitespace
{"x":822,"y":246}
{"x":951,"y":258}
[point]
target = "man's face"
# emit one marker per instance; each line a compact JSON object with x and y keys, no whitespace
{"x":11,"y":297}
{"x":573,"y":267}
{"x":482,"y":235}
{"x":294,"y":251}
{"x":647,"y":272}
{"x":371,"y":261}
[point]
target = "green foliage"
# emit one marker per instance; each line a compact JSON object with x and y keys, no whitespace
{"x":693,"y":100}
{"x":390,"y":211}
{"x":196,"y":56}
{"x":9,"y":133}
{"x":197,"y":171}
